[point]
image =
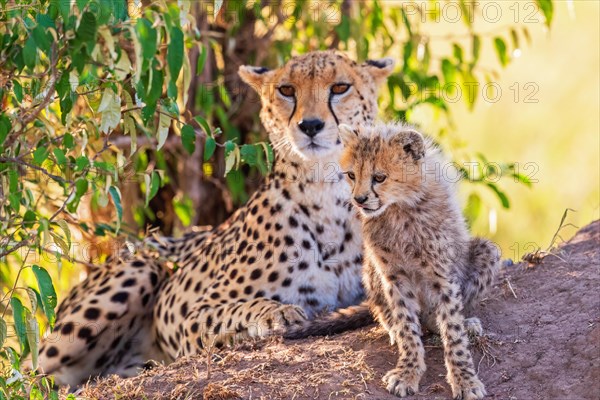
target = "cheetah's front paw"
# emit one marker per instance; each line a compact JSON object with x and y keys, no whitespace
{"x":402,"y":382}
{"x":473,"y":326}
{"x":276,"y":320}
{"x":472,"y":389}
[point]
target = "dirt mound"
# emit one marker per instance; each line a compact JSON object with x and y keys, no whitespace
{"x":542,"y":341}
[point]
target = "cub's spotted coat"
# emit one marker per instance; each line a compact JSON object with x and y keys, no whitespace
{"x":419,"y":258}
{"x":292,"y":252}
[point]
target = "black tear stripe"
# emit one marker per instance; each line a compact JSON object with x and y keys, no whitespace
{"x":373,"y":189}
{"x":293,"y":112}
{"x":337,"y":122}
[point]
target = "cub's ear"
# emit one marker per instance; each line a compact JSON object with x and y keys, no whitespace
{"x":379,"y":69}
{"x":255,"y":76}
{"x":347,"y":134}
{"x":411,"y":142}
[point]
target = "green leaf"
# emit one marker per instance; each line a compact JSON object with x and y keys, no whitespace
{"x":68,"y":141}
{"x":40,"y":154}
{"x":147,"y":36}
{"x":116,"y":197}
{"x":41,"y":38}
{"x":188,"y":138}
{"x":248,"y":154}
{"x":476,"y":48}
{"x":201,"y":60}
{"x":18,"y":90}
{"x":20,"y":318}
{"x":82,"y":162}
{"x":501,"y":50}
{"x":87,"y":27}
{"x":3,"y":332}
{"x":154,"y":185}
{"x":547,"y":9}
{"x":4,"y":127}
{"x":15,"y":201}
{"x":473,"y":208}
{"x":47,"y":293}
{"x":343,"y":29}
{"x":458,"y":52}
{"x":30,"y":52}
{"x":175,"y":54}
{"x":81,"y":187}
{"x":501,"y":195}
{"x":184,"y":209}
{"x":33,"y":334}
{"x":202,"y":122}
{"x":523,"y":179}
{"x":60,"y":156}
{"x":449,"y":71}
{"x":29,"y":219}
{"x":13,"y":181}
{"x":209,"y":148}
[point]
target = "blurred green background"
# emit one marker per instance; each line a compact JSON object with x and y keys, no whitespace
{"x":558,"y":131}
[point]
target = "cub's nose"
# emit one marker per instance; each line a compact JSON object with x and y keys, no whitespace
{"x":360,"y":199}
{"x":311,"y":127}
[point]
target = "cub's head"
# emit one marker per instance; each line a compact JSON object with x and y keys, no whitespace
{"x":383,"y":164}
{"x":304,"y":101}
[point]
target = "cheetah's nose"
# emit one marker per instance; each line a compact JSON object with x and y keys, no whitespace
{"x":311,"y":127}
{"x":361,"y":199}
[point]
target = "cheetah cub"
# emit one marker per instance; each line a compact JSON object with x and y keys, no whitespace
{"x":420,"y":262}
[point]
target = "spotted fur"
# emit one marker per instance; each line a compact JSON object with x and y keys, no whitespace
{"x":420,"y":262}
{"x":292,"y":252}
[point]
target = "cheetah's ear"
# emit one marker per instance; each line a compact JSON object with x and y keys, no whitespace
{"x":411,"y":142}
{"x":347,"y":134}
{"x":255,"y":76}
{"x":379,"y":69}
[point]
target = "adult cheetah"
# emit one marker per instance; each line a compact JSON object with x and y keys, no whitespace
{"x":292,"y":252}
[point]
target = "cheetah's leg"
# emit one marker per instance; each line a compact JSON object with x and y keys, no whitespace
{"x":461,"y":375}
{"x":480,"y":268}
{"x":405,"y":330}
{"x":209,"y":325}
{"x":377,"y":301}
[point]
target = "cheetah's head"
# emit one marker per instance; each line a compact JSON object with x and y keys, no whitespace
{"x":304,"y":101}
{"x":384,"y":165}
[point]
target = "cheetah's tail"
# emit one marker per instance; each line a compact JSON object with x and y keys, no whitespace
{"x":339,"y":321}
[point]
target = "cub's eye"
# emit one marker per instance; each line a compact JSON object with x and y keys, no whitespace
{"x":379,"y":178}
{"x":287,"y":91}
{"x":340,"y":88}
{"x":351,"y":175}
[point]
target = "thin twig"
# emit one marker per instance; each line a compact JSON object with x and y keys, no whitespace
{"x":510,"y":287}
{"x":32,"y":166}
{"x":16,"y":247}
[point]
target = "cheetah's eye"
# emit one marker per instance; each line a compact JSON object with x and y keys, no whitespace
{"x":340,"y":88}
{"x":379,"y":178}
{"x":287,"y":91}
{"x":351,"y":175}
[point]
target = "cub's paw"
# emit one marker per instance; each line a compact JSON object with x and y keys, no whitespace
{"x":473,"y":326}
{"x":276,"y":320}
{"x":402,"y":382}
{"x":472,"y":389}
